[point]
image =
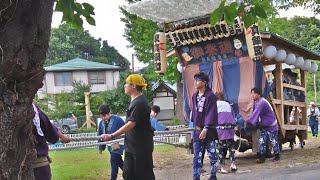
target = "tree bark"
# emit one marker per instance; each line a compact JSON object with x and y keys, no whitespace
{"x":179,"y":106}
{"x":24,"y":37}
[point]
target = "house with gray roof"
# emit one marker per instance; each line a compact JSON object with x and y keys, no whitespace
{"x":59,"y":77}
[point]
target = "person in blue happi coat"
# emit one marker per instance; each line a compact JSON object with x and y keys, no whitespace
{"x":154,"y":121}
{"x":111,"y":123}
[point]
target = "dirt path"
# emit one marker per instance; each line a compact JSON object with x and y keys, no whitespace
{"x":177,"y":165}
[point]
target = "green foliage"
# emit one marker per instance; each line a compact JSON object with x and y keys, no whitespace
{"x":79,"y":88}
{"x":305,"y":32}
{"x":113,"y":55}
{"x":61,"y":104}
{"x":116,"y":98}
{"x":95,"y":102}
{"x":140,"y":33}
{"x":250,"y":14}
{"x":312,"y":4}
{"x":74,"y":11}
{"x":85,"y":130}
{"x":175,"y":121}
{"x":67,"y":42}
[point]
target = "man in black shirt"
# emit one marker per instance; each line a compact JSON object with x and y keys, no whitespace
{"x":138,"y":163}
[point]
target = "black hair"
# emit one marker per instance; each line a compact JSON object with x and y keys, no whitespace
{"x":104,"y":109}
{"x":202,"y":76}
{"x":257,"y":91}
{"x":139,"y":88}
{"x":287,"y":71}
{"x":294,"y":75}
{"x":155,"y":108}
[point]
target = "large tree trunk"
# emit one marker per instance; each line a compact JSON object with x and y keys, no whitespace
{"x":179,"y":106}
{"x":24,"y":37}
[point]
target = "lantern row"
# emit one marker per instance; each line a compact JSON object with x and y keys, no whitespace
{"x":281,"y":55}
{"x":204,"y":32}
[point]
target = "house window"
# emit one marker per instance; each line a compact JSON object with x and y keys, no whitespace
{"x":63,"y":78}
{"x":96,"y":77}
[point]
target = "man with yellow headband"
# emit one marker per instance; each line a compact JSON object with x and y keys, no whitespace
{"x":138,"y":163}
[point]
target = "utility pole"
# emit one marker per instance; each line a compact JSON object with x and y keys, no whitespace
{"x":88,"y":112}
{"x":315,"y":87}
{"x":132,"y":62}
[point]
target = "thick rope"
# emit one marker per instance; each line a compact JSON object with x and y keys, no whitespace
{"x":92,"y":138}
{"x":83,"y":146}
{"x":57,"y":148}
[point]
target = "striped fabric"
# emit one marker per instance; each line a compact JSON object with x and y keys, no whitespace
{"x":234,"y":77}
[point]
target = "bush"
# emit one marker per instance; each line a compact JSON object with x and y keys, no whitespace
{"x":175,"y":121}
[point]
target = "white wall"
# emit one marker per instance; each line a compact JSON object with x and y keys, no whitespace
{"x":112,"y":78}
{"x":80,"y":76}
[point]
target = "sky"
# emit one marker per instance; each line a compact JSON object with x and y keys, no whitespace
{"x":109,"y":27}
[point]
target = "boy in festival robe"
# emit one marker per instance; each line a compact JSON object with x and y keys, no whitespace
{"x":264,"y":118}
{"x":205,"y":119}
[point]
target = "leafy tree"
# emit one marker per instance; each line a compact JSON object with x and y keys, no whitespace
{"x":68,"y":42}
{"x":24,"y":40}
{"x":112,"y":54}
{"x":116,"y":98}
{"x":59,"y":105}
{"x":79,"y":88}
{"x":312,"y":4}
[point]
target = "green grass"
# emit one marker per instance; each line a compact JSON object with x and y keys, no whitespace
{"x":86,"y":164}
{"x":84,"y":130}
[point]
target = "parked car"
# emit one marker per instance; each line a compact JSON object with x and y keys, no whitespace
{"x":66,"y":125}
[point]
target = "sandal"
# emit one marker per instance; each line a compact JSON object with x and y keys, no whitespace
{"x":223,"y":171}
{"x":233,"y":168}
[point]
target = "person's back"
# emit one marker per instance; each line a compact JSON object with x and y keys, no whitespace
{"x":225,"y":119}
{"x":226,"y":132}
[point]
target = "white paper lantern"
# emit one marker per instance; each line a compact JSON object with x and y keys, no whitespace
{"x":281,"y":55}
{"x":314,"y":68}
{"x":307,"y":65}
{"x":179,"y":67}
{"x":299,"y":62}
{"x":291,"y":59}
{"x":270,"y":52}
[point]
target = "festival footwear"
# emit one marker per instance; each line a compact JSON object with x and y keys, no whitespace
{"x":223,"y":171}
{"x":276,"y":157}
{"x":213,"y":178}
{"x":260,"y":161}
{"x":302,"y":144}
{"x":233,"y":168}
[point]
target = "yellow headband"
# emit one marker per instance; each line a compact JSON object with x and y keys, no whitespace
{"x":137,"y":80}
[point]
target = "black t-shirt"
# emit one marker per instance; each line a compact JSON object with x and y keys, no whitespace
{"x":139,"y":138}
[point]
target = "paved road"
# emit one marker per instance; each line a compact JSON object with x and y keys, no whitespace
{"x":305,"y":172}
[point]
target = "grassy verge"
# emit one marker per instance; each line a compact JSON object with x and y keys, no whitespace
{"x":86,"y":164}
